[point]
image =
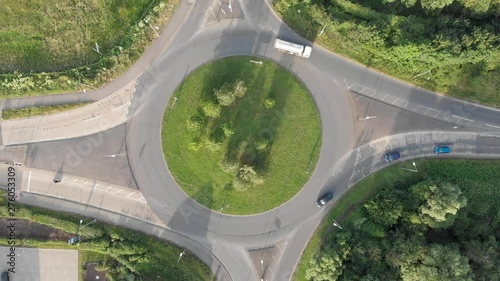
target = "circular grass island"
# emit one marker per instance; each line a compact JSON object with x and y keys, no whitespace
{"x":241,"y":138}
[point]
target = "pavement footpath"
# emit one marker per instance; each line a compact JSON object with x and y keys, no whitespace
{"x":91,"y":119}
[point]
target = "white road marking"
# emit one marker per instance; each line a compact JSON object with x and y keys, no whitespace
{"x":92,"y":118}
{"x":492,"y":126}
{"x":29,"y":181}
{"x":125,"y":104}
{"x":462,"y":118}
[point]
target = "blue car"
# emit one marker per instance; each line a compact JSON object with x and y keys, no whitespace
{"x":441,"y":149}
{"x":392,"y":157}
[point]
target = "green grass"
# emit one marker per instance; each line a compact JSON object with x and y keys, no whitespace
{"x":91,"y":256}
{"x":292,"y":126}
{"x":461,"y":53}
{"x":477,"y":179}
{"x":47,"y":46}
{"x":39,"y":110}
{"x":54,"y":35}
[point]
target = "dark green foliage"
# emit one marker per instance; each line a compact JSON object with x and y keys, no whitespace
{"x":445,"y":227}
{"x":450,"y":46}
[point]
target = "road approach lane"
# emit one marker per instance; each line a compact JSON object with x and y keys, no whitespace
{"x":144,"y":133}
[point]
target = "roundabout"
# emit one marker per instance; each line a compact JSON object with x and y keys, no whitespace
{"x":230,"y":237}
{"x":241,"y":152}
{"x":337,"y":88}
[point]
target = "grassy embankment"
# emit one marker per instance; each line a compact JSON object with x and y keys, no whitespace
{"x":48,"y":46}
{"x":127,"y":252}
{"x":452,"y":51}
{"x":38,"y":110}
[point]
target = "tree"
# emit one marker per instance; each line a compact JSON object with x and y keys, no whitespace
{"x":435,"y":4}
{"x":225,"y":95}
{"x":440,"y":203}
{"x":249,"y":175}
{"x":437,"y":263}
{"x":211,"y":110}
{"x":239,"y":89}
{"x":484,"y":254}
{"x":330,"y":264}
{"x":328,"y":267}
{"x":386,"y":208}
{"x":228,"y":93}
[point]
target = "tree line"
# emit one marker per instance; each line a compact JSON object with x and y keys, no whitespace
{"x":423,"y":232}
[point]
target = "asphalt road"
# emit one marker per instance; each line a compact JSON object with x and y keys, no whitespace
{"x":347,"y":154}
{"x":329,"y":79}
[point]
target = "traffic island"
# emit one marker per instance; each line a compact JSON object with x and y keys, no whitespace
{"x":241,"y":135}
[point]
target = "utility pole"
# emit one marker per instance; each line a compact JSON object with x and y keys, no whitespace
{"x":428,"y":72}
{"x":154,"y":30}
{"x":366,"y":118}
{"x":180,"y":255}
{"x":80,"y":228}
{"x":97,"y":48}
{"x":322,"y":30}
{"x":414,"y":170}
{"x":336,"y":224}
{"x":175,"y":99}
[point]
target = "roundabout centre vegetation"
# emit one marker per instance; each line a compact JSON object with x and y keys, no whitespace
{"x":241,"y":138}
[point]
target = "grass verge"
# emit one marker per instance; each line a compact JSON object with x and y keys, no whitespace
{"x":432,"y":50}
{"x":130,"y":252}
{"x":39,"y":110}
{"x":48,"y":46}
{"x":274,"y":128}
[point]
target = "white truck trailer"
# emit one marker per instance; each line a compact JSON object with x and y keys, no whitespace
{"x":292,"y":48}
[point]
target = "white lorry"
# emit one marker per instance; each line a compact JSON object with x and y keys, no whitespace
{"x":292,"y":48}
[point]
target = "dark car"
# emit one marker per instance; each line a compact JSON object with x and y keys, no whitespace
{"x":5,"y":276}
{"x":441,"y":149}
{"x":392,"y":157}
{"x":323,"y":200}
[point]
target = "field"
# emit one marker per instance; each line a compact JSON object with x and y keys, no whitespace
{"x":50,"y":46}
{"x":51,"y":35}
{"x":251,"y":155}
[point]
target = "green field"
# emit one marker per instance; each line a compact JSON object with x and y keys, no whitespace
{"x":472,"y":229}
{"x":49,"y":46}
{"x":274,"y":128}
{"x":38,"y":110}
{"x":54,"y":35}
{"x":127,"y":251}
{"x":452,"y":50}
